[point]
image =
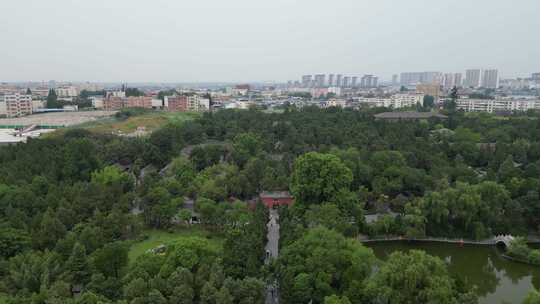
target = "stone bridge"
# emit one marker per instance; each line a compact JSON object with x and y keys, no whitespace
{"x":503,"y":239}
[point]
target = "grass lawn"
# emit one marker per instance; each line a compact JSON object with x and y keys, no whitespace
{"x":151,"y":121}
{"x":159,"y":237}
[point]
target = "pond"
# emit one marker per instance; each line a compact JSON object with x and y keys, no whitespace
{"x":497,"y":280}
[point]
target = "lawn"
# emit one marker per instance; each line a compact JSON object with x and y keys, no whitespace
{"x":161,"y":237}
{"x":151,"y":121}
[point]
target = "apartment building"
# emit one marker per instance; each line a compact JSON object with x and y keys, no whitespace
{"x":117,"y":103}
{"x":473,"y":78}
{"x":396,"y":101}
{"x":368,"y":81}
{"x":66,"y":92}
{"x":451,"y":80}
{"x":15,"y":105}
{"x":490,"y":79}
{"x":187,"y":103}
{"x":414,"y":78}
{"x":429,"y":89}
{"x":336,"y":103}
{"x":497,"y":105}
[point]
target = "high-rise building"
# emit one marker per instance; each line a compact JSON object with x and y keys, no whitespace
{"x":346,"y":81}
{"x":448,"y":81}
{"x":368,"y":81}
{"x":306,"y":81}
{"x":458,"y":82}
{"x":354,"y":81}
{"x":490,"y":79}
{"x":330,"y":80}
{"x":451,"y":80}
{"x":473,"y":78}
{"x":395,"y":80}
{"x":320,"y":80}
{"x":339,"y":80}
{"x":415,"y":78}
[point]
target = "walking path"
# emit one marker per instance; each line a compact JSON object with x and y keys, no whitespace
{"x":272,"y":251}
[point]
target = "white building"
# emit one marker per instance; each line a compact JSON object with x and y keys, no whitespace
{"x":414,"y":78}
{"x":497,"y":105}
{"x":66,"y":92}
{"x":15,"y":105}
{"x":490,"y":79}
{"x":37,"y":104}
{"x":335,"y":90}
{"x":396,"y":101}
{"x":97,"y":102}
{"x":473,"y":78}
{"x":336,"y":103}
{"x":157,"y":103}
{"x":451,"y":80}
{"x":3,"y":107}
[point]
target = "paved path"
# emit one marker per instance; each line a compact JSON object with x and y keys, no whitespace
{"x":272,"y":251}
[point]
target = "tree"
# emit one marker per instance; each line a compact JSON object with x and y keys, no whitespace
{"x":111,"y":259}
{"x":185,"y":216}
{"x":533,"y":297}
{"x":52,"y":100}
{"x":182,"y":294}
{"x":78,"y":270}
{"x":245,"y":145}
{"x":183,"y":170}
{"x":50,"y":231}
{"x":223,"y":296}
{"x":329,"y":216}
{"x":133,"y":92}
{"x":320,"y":264}
{"x":413,"y":277}
{"x":451,"y":105}
{"x":428,"y":102}
{"x":336,"y":300}
{"x":318,"y":178}
{"x":13,"y":242}
{"x":209,"y":294}
{"x":113,"y":176}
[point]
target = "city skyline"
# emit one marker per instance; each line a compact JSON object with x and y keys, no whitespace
{"x":141,"y":41}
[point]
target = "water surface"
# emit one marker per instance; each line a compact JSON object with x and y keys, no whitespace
{"x":497,"y":279}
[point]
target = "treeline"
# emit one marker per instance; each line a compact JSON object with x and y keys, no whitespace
{"x":68,"y":216}
{"x":71,"y":205}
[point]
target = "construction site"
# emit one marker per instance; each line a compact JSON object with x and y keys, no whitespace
{"x":15,"y":130}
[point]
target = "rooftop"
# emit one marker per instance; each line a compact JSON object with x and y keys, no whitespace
{"x":276,"y":194}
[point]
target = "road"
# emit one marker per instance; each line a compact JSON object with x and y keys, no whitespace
{"x":272,"y":251}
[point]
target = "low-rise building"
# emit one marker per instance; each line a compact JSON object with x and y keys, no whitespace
{"x":396,"y":101}
{"x":497,"y":105}
{"x":429,"y":89}
{"x":15,"y":105}
{"x":97,"y":102}
{"x":185,"y":103}
{"x":68,"y":91}
{"x":276,"y":198}
{"x":336,"y":103}
{"x":117,"y":103}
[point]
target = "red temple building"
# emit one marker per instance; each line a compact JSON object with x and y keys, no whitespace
{"x":276,"y":198}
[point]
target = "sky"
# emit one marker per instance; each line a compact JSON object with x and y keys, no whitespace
{"x":254,"y":40}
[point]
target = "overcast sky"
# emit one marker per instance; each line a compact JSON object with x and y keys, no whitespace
{"x":254,"y":40}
